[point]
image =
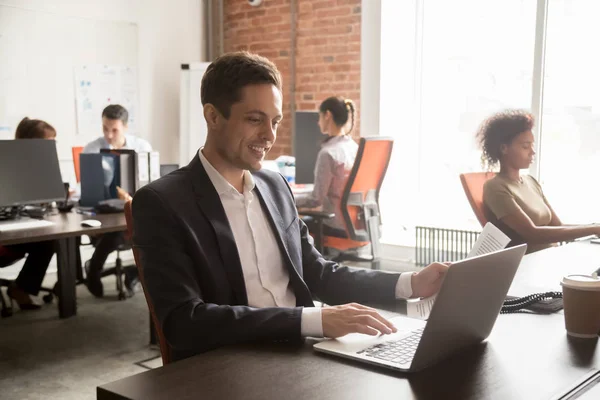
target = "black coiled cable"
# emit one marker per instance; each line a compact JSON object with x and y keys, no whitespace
{"x":518,"y":304}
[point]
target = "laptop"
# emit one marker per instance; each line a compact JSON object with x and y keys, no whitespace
{"x":463,"y":314}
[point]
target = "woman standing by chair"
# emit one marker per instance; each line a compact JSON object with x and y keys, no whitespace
{"x":514,"y":202}
{"x":334,"y":163}
{"x":39,"y":254}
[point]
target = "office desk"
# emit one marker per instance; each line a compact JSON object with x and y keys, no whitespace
{"x":526,"y":357}
{"x":299,"y":189}
{"x":67,"y":227}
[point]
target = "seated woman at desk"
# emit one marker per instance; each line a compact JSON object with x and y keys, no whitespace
{"x":39,"y":254}
{"x":334,"y":162}
{"x":514,"y":202}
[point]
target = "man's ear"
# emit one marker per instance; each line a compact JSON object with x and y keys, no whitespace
{"x":503,"y":149}
{"x":211,"y":115}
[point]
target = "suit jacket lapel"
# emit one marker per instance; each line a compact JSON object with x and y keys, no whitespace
{"x":303,"y":296}
{"x":209,"y":202}
{"x":275,"y":219}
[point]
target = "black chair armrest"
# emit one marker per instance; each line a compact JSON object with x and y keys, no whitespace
{"x":320,"y":215}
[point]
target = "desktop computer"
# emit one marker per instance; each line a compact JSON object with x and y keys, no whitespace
{"x":101,"y":174}
{"x":166,"y":169}
{"x":29,"y":174}
{"x":307,"y":143}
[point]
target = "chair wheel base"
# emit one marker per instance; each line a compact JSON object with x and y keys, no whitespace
{"x":48,"y":298}
{"x":122,"y":296}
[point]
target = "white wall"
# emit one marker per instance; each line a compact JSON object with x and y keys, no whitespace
{"x":170,"y":33}
{"x":370,"y":37}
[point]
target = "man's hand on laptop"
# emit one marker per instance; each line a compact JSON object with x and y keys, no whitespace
{"x":428,"y":281}
{"x":354,"y":318}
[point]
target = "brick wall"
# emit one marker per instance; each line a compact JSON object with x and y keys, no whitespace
{"x":327,"y":50}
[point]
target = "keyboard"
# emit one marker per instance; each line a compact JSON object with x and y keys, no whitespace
{"x":23,"y":223}
{"x":397,"y":351}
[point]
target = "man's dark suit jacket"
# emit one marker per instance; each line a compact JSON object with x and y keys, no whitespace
{"x":192,"y":270}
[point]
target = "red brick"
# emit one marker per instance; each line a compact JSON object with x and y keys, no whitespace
{"x":327,"y":50}
{"x":256,"y":13}
{"x":324,"y":4}
{"x":333,"y":12}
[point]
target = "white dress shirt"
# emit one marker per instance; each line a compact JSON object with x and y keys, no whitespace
{"x":266,"y":279}
{"x":135,"y":143}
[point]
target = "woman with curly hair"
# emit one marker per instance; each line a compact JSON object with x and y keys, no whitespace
{"x":514,"y":202}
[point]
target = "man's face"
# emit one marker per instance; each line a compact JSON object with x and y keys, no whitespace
{"x":244,"y":139}
{"x":114,"y":131}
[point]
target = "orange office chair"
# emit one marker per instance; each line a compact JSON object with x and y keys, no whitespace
{"x":360,"y":202}
{"x":76,"y":151}
{"x":165,"y":349}
{"x":472,"y":183}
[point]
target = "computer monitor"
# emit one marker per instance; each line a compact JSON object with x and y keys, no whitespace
{"x":29,"y":172}
{"x":121,"y":170}
{"x":307,"y":143}
{"x":168,"y":168}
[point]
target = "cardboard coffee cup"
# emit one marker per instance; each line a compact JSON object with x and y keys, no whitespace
{"x":581,"y":300}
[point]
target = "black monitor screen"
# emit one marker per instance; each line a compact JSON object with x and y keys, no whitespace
{"x":166,"y":169}
{"x":307,"y":143}
{"x":29,"y":172}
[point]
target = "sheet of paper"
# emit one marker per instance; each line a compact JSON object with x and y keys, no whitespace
{"x":420,"y":308}
{"x":491,"y":239}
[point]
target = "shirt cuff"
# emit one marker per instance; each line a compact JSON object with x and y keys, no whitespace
{"x":404,"y":285}
{"x":311,"y":323}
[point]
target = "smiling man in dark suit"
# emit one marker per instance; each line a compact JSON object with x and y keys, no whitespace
{"x":225,"y":257}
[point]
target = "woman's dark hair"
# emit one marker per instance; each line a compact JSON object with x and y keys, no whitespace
{"x":34,"y":129}
{"x":499,"y":129}
{"x":341,"y":109}
{"x":225,"y":77}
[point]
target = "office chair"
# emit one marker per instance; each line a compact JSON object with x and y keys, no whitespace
{"x":76,"y":151}
{"x":359,"y":204}
{"x":118,"y":271}
{"x":472,"y":183}
{"x":6,"y":310}
{"x":155,"y":327}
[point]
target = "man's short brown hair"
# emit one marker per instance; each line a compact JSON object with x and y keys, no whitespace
{"x":227,"y":75}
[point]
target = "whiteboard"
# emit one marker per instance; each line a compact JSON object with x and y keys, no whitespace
{"x":97,"y":86}
{"x":39,"y":54}
{"x":192,"y":126}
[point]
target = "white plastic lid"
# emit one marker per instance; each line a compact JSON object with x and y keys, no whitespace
{"x":581,"y":282}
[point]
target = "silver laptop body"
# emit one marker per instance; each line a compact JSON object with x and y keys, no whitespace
{"x":464,"y":314}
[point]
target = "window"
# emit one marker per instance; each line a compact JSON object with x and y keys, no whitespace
{"x":570,"y":135}
{"x":445,"y":67}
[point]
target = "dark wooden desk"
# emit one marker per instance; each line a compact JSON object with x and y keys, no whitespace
{"x":526,"y":357}
{"x":67,"y":227}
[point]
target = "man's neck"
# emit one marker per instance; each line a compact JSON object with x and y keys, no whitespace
{"x":234,"y":176}
{"x":120,"y":143}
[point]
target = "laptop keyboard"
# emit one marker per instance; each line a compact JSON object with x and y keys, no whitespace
{"x":397,"y":351}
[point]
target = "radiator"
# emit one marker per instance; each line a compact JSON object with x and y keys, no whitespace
{"x":437,"y":244}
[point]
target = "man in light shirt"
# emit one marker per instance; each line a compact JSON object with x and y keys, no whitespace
{"x":114,"y":125}
{"x":225,"y":257}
